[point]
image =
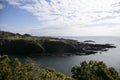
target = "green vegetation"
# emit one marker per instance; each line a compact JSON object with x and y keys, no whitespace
{"x":28,"y":45}
{"x":16,"y":36}
{"x":29,"y":70}
{"x":94,"y":71}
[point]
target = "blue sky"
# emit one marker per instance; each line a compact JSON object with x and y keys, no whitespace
{"x":61,"y":17}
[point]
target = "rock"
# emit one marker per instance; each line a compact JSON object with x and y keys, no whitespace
{"x":89,"y":41}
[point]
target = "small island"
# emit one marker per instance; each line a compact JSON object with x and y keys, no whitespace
{"x":15,"y":43}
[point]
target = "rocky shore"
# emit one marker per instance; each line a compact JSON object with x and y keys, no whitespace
{"x":11,"y":43}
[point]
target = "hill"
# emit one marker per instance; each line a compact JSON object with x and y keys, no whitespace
{"x":15,"y":43}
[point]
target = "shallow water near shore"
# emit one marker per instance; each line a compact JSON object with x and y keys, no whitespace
{"x":65,"y":63}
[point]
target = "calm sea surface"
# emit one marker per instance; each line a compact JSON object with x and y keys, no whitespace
{"x":65,"y":63}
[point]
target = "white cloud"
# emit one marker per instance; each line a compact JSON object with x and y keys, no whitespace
{"x":78,"y":31}
{"x":1,"y":6}
{"x":15,"y":29}
{"x":66,"y":16}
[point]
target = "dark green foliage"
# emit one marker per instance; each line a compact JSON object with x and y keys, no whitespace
{"x":94,"y":71}
{"x":29,"y":70}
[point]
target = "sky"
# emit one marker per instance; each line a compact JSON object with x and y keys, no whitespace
{"x":61,"y":17}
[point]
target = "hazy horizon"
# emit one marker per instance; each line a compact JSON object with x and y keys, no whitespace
{"x":61,"y":17}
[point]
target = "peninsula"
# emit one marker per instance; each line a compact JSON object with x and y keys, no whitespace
{"x":28,"y":45}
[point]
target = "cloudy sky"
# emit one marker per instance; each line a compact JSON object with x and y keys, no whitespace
{"x":61,"y":17}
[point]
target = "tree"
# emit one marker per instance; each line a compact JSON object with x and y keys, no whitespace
{"x":29,"y":70}
{"x":5,"y":69}
{"x":94,"y":70}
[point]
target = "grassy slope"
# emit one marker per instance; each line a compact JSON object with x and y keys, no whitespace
{"x":17,"y":36}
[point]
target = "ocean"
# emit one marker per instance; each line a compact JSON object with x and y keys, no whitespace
{"x":64,"y":63}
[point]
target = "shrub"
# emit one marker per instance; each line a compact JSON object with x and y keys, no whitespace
{"x":94,"y":70}
{"x":29,"y":70}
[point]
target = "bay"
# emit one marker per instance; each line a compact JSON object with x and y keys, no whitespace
{"x":64,"y":63}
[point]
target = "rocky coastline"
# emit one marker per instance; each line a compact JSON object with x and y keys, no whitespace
{"x":15,"y":43}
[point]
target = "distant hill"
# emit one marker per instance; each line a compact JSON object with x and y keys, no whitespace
{"x":4,"y":34}
{"x":15,"y":43}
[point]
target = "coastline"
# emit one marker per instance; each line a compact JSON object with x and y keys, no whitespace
{"x":15,"y":43}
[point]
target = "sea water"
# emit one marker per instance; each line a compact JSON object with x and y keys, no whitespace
{"x":64,"y":63}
